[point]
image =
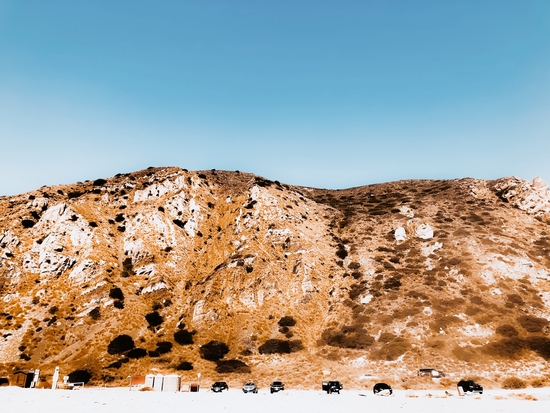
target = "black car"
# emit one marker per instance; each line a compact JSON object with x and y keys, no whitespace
{"x":219,"y":386}
{"x":382,"y":389}
{"x":469,"y":387}
{"x":276,"y":386}
{"x":332,"y":387}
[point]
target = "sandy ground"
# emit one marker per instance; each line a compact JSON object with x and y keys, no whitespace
{"x":101,"y":400}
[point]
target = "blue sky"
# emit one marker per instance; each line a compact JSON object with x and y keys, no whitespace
{"x":329,"y":94}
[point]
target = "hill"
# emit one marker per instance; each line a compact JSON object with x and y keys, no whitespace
{"x":233,"y":275}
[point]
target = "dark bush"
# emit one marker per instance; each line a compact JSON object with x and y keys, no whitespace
{"x":53,"y":310}
{"x":100,"y":182}
{"x":532,"y":324}
{"x":184,"y":366}
{"x":118,"y":304}
{"x":392,"y":283}
{"x":4,"y":381}
{"x":95,"y":314}
{"x":183,"y":337}
{"x":276,"y":346}
{"x":127,"y":268}
{"x":540,"y":345}
{"x":232,"y":366}
{"x":28,"y":223}
{"x":116,"y":293}
{"x":507,"y":347}
{"x":341,"y":253}
{"x":287,"y":321}
{"x":137,"y":353}
{"x":507,"y":330}
{"x":93,"y":224}
{"x":179,"y":223}
{"x":213,"y":350}
{"x":119,"y":218}
{"x":357,"y":339}
{"x":393,"y":349}
{"x":153,"y":353}
{"x":154,"y":319}
{"x":80,"y":376}
{"x":164,"y":347}
{"x":120,"y":344}
{"x":75,"y":194}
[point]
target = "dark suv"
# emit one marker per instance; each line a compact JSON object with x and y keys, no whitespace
{"x":219,"y":386}
{"x":332,"y":387}
{"x":276,"y":386}
{"x":469,"y":386}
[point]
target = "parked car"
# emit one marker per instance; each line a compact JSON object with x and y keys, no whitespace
{"x":276,"y":386}
{"x":332,"y":387}
{"x":219,"y":386}
{"x":468,"y":387}
{"x":382,"y":389}
{"x":250,"y":387}
{"x":431,"y":373}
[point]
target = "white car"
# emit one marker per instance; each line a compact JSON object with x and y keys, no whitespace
{"x":250,"y":387}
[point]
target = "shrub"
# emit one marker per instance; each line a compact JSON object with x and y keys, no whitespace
{"x":507,"y":330}
{"x":179,"y":223}
{"x":118,"y":304}
{"x":232,"y":366}
{"x":213,"y":350}
{"x":184,"y":366}
{"x":95,"y":314}
{"x":153,"y":353}
{"x":532,"y":324}
{"x":275,"y":346}
{"x":116,"y":293}
{"x":394,"y":348}
{"x":183,"y":337}
{"x":80,"y":376}
{"x":99,"y":182}
{"x":346,"y":338}
{"x":28,"y":223}
{"x":540,"y":345}
{"x":120,"y":344}
{"x":538,"y":383}
{"x":164,"y":347}
{"x":509,"y":347}
{"x":341,"y":253}
{"x":287,"y":321}
{"x":513,"y":383}
{"x":154,"y":319}
{"x":137,"y":353}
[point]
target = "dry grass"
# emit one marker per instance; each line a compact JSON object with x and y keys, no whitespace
{"x":513,"y":383}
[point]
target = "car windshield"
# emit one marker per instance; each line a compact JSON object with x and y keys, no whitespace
{"x":277,"y":383}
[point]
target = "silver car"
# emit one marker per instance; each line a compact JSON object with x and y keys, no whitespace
{"x":250,"y":387}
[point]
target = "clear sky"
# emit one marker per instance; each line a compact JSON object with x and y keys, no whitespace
{"x":329,"y":94}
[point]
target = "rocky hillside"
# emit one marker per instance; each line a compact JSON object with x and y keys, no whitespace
{"x":235,"y":276}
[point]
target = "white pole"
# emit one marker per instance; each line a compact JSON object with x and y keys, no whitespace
{"x":55,"y":378}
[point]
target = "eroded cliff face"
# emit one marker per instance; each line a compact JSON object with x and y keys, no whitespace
{"x":228,"y":273}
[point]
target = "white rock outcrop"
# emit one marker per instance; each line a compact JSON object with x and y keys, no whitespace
{"x":532,"y":197}
{"x":400,"y":235}
{"x":424,"y":231}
